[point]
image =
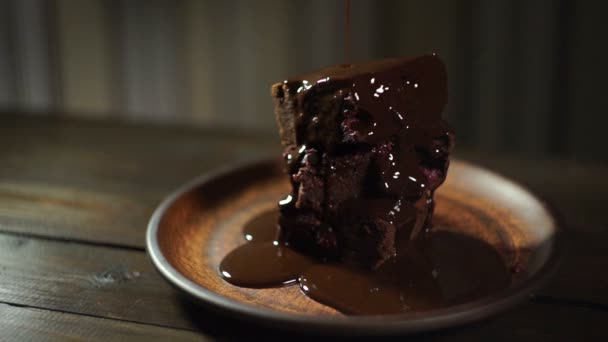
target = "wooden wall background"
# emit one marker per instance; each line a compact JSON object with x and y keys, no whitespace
{"x":526,"y":77}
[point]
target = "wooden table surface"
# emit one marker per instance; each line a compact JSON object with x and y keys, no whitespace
{"x":75,"y":198}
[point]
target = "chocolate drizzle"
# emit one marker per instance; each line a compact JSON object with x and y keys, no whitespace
{"x":365,"y":143}
{"x":263,"y":228}
{"x":447,"y":269}
{"x":365,"y":149}
{"x":382,"y":102}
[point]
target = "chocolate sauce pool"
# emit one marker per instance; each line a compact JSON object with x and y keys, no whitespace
{"x":441,"y":270}
{"x":262,"y":228}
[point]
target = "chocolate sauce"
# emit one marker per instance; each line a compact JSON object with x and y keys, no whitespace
{"x":260,"y":229}
{"x":442,"y":270}
{"x":263,"y":264}
{"x":390,"y":109}
{"x":365,"y":149}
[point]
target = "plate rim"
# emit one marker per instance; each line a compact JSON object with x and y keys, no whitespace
{"x":408,"y":323}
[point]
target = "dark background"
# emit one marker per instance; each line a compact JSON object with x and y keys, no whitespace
{"x":526,"y":77}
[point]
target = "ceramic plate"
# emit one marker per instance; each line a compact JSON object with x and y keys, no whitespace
{"x":195,"y":227}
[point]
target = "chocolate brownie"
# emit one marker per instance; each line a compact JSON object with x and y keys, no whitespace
{"x":365,"y":149}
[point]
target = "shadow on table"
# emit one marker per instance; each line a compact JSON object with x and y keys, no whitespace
{"x":220,"y":325}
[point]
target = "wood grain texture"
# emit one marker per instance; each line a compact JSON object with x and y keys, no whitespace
{"x":526,"y":323}
{"x":152,"y":60}
{"x":144,"y":163}
{"x":199,"y":41}
{"x":205,"y":223}
{"x":100,"y":182}
{"x":98,"y":281}
{"x":540,"y":94}
{"x":29,"y":324}
{"x":120,"y":284}
{"x":84,"y":50}
{"x":97,"y":182}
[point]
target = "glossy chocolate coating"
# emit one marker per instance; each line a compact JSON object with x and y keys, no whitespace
{"x":446,"y":269}
{"x":365,"y":149}
{"x":364,"y":143}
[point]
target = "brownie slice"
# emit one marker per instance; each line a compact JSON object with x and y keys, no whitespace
{"x":365,"y":148}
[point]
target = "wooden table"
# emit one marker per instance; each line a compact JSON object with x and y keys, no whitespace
{"x":75,"y":198}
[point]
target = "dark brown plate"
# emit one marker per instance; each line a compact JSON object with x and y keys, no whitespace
{"x":194,"y":228}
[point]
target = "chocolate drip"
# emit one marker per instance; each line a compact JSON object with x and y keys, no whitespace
{"x":448,"y":269}
{"x":365,"y":149}
{"x":379,"y":145}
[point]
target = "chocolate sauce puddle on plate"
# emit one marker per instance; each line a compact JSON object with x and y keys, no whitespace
{"x":263,"y":264}
{"x":441,"y":270}
{"x":262,"y":228}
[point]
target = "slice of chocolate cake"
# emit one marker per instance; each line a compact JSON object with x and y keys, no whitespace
{"x":365,"y":148}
